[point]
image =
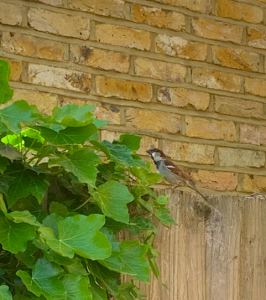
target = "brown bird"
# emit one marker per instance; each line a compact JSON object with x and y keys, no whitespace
{"x":171,"y":172}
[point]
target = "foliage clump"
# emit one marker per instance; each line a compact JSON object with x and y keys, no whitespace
{"x":64,"y":197}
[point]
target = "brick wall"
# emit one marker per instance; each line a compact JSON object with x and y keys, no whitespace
{"x":189,"y":76}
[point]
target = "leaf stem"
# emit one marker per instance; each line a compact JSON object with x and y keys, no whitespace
{"x":84,"y":203}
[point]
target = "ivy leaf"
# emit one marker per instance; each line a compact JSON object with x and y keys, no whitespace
{"x":6,"y":92}
{"x":77,"y":287}
{"x":129,"y":260}
{"x":163,"y":215}
{"x":68,"y":136}
{"x":81,"y":163}
{"x":131,"y":141}
{"x":58,"y":208}
{"x":139,"y":224}
{"x":14,"y":114}
{"x":14,"y":236}
{"x":112,"y":197}
{"x":97,"y":291}
{"x":44,"y":280}
{"x":9,"y":152}
{"x":23,"y":217}
{"x":118,"y":153}
{"x":4,"y":290}
{"x":73,"y":115}
{"x":25,"y":183}
{"x":145,"y":177}
{"x":79,"y":234}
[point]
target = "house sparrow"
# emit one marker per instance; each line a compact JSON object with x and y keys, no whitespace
{"x":170,"y":171}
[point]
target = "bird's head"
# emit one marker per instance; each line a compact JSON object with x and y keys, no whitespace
{"x":156,"y":154}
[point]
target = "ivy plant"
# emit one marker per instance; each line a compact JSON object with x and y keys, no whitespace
{"x":64,"y":199}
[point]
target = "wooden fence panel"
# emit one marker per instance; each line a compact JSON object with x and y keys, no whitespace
{"x":221,"y":257}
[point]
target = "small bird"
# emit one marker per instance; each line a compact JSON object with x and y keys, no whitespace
{"x":171,"y":172}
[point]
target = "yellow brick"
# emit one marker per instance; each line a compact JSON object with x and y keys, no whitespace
{"x":239,"y":11}
{"x":236,"y":58}
{"x":52,"y":2}
{"x":99,"y":58}
{"x":146,"y":143}
{"x":216,"y":80}
{"x":10,"y":14}
{"x":177,"y":46}
{"x":123,"y":89}
{"x":158,"y":17}
{"x":44,"y":101}
{"x":123,"y":36}
{"x":114,"y":8}
{"x":58,"y":77}
{"x":32,"y":46}
{"x":238,"y":107}
{"x":194,"y":153}
{"x":60,"y":24}
{"x":257,"y":38}
{"x":230,"y":157}
{"x":153,"y":120}
{"x":255,"y":135}
{"x":252,"y":183}
{"x":210,"y":129}
{"x":16,"y":69}
{"x":220,"y":181}
{"x":214,"y":30}
{"x":203,"y":6}
{"x":181,"y":97}
{"x":255,"y":86}
{"x":160,"y":70}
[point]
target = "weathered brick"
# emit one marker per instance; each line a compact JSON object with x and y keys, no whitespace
{"x":239,"y":11}
{"x":160,"y":70}
{"x":236,"y":58}
{"x":230,"y":157}
{"x":99,"y":58}
{"x":194,"y":153}
{"x":146,"y":143}
{"x":210,"y":129}
{"x":10,"y":14}
{"x":255,"y":86}
{"x":216,"y":80}
{"x":16,"y":69}
{"x":252,"y":183}
{"x":238,"y":107}
{"x":59,"y":78}
{"x":123,"y":36}
{"x":44,"y":101}
{"x":123,"y":89}
{"x":60,"y":24}
{"x":257,"y":38}
{"x":214,"y":30}
{"x":158,"y":17}
{"x":253,"y":134}
{"x":181,"y":97}
{"x":177,"y":46}
{"x":203,"y":6}
{"x":220,"y":181}
{"x":153,"y":120}
{"x":32,"y":46}
{"x":114,"y":8}
{"x":102,"y":111}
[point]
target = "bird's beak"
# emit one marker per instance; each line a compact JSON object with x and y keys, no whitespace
{"x":149,"y":151}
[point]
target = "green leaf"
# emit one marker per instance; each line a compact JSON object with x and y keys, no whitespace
{"x":145,"y":177}
{"x":139,"y":224}
{"x":79,"y":234}
{"x":76,"y":267}
{"x":73,"y":115}
{"x":58,"y":208}
{"x":129,"y":260}
{"x":98,"y":292}
{"x":81,"y":163}
{"x":23,"y":217}
{"x":77,"y":287}
{"x":6,"y":92}
{"x":44,"y":280}
{"x":14,"y":236}
{"x":14,"y":114}
{"x":163,"y":215}
{"x":4,"y":290}
{"x":10,"y":152}
{"x":118,"y":153}
{"x":3,"y":207}
{"x":25,"y":183}
{"x":162,"y":200}
{"x":68,"y":136}
{"x":112,"y":197}
{"x":131,"y":141}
